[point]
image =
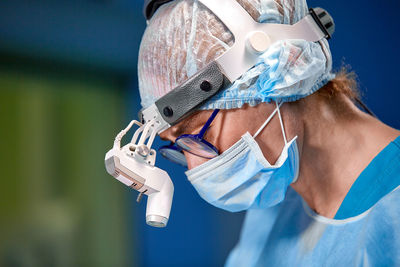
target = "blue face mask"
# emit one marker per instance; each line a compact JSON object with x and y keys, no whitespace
{"x":242,"y":178}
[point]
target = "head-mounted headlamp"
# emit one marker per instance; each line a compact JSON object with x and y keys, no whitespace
{"x":133,"y":164}
{"x":251,"y":39}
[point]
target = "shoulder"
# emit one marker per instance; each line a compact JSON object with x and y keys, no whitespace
{"x":389,"y":204}
{"x":383,"y":232}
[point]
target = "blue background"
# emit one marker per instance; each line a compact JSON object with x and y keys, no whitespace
{"x":102,"y":37}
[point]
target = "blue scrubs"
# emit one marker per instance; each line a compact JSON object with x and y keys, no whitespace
{"x":365,"y":231}
{"x":375,"y":182}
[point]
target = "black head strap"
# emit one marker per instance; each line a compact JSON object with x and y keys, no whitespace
{"x":183,"y":100}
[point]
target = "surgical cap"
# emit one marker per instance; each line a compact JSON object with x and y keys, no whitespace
{"x":184,"y":36}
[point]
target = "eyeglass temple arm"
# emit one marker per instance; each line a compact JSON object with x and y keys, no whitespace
{"x":209,"y":121}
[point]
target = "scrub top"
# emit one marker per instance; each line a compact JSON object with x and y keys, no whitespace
{"x":291,"y":234}
{"x":376,"y":181}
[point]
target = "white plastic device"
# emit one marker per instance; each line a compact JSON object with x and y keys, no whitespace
{"x":133,"y":165}
{"x":252,"y":37}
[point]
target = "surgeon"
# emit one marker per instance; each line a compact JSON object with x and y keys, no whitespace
{"x":318,"y":176}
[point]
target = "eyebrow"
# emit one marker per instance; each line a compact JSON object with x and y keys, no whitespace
{"x":189,"y":124}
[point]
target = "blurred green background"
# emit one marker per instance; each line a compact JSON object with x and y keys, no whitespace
{"x":66,"y":69}
{"x":56,"y":201}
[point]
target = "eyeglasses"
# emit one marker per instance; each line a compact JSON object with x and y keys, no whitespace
{"x":192,"y":143}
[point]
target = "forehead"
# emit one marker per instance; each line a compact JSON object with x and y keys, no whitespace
{"x":195,"y":119}
{"x":187,"y":125}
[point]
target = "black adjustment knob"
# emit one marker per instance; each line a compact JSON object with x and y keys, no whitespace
{"x":205,"y":86}
{"x":168,"y":112}
{"x":326,"y":20}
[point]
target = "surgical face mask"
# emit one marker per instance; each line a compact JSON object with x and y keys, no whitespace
{"x":242,"y":178}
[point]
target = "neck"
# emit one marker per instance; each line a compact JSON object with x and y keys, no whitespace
{"x":335,"y":147}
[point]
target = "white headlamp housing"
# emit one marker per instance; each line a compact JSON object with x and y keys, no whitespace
{"x":133,"y":165}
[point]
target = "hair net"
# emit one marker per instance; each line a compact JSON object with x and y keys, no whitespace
{"x":184,"y":36}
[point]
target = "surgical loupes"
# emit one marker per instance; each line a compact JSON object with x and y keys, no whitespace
{"x":133,"y":165}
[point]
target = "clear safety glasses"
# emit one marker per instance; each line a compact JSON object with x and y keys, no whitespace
{"x":192,"y":143}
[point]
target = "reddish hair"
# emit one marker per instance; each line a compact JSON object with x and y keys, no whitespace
{"x":345,"y":83}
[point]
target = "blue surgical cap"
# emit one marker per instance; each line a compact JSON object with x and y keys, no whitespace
{"x":184,"y":36}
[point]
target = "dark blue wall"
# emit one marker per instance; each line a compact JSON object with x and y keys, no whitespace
{"x":89,"y":34}
{"x":366,"y":38}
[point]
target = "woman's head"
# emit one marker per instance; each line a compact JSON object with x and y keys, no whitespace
{"x":184,"y":36}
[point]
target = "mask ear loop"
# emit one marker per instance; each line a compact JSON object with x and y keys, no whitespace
{"x":281,"y":121}
{"x":268,"y":120}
